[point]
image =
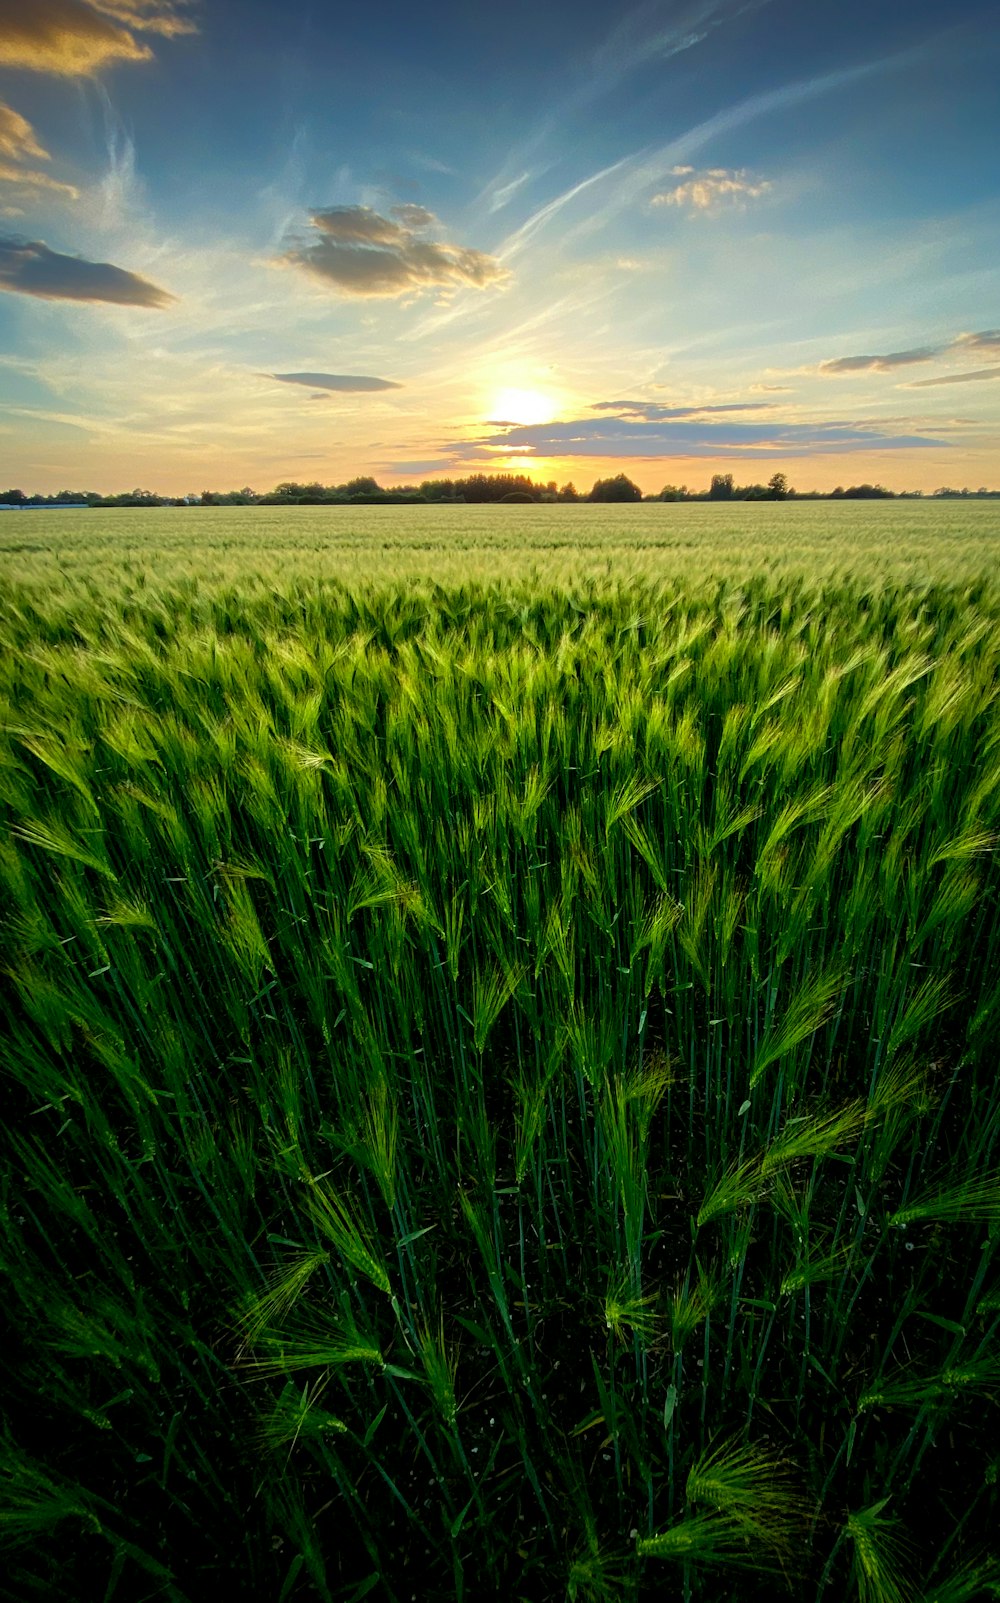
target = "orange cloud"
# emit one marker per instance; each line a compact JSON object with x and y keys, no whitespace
{"x":148,"y":16}
{"x":75,"y":39}
{"x":705,"y":191}
{"x":19,"y":143}
{"x":17,"y":137}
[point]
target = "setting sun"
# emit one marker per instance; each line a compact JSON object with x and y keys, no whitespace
{"x":522,"y":406}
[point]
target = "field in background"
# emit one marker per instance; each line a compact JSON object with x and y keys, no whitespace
{"x":876,"y":542}
{"x":500,"y":1053}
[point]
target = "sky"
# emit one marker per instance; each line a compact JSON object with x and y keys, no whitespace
{"x":244,"y":241}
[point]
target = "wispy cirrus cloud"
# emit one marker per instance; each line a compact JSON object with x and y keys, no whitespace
{"x":19,"y":147}
{"x":342,"y":383}
{"x":625,"y":183}
{"x":502,"y":190}
{"x":29,"y":267}
{"x":985,"y":343}
{"x":642,"y":37}
{"x":356,"y":251}
{"x":711,"y":188}
{"x":77,"y":38}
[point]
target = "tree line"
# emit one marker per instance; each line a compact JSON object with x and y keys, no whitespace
{"x":476,"y":488}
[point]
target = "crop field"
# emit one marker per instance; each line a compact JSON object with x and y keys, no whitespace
{"x":119,"y":551}
{"x":501,"y":1024}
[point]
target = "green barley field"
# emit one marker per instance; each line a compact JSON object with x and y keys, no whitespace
{"x":500,"y":1054}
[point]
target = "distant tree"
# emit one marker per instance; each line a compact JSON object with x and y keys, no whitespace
{"x":289,"y":490}
{"x":131,"y":498}
{"x":363,"y":486}
{"x":13,"y":497}
{"x":722,"y":487}
{"x":480,"y":487}
{"x":672,"y":492}
{"x":620,"y":488}
{"x":777,"y":484}
{"x":568,"y":492}
{"x":438,"y":489}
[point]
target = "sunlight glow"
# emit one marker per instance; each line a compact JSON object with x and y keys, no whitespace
{"x":522,"y":406}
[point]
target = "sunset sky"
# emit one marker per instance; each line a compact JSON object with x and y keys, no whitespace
{"x":243,"y":241}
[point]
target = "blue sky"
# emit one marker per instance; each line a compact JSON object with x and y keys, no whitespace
{"x":241,"y":242}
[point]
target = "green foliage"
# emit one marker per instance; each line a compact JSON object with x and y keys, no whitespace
{"x":618,"y":488}
{"x":744,"y":1509}
{"x":500,"y":1066}
{"x":879,"y":1556}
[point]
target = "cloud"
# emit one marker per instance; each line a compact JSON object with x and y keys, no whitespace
{"x":627,"y":181}
{"x":652,"y":412}
{"x":426,"y":465}
{"x":27,"y":178}
{"x":165,"y":17}
{"x":17,"y":137}
{"x":639,"y":39}
{"x":671,"y":436}
{"x":412,"y":216}
{"x":707,"y":190}
{"x":985,"y":343}
{"x":956,"y":378}
{"x":359,"y":252}
{"x":77,"y":38}
{"x":881,"y":364}
{"x":634,"y":43}
{"x":18,"y":145}
{"x":498,"y":195}
{"x":341,"y":382}
{"x":538,"y":219}
{"x":27,"y":267}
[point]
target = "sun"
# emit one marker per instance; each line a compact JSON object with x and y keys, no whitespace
{"x":522,"y":406}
